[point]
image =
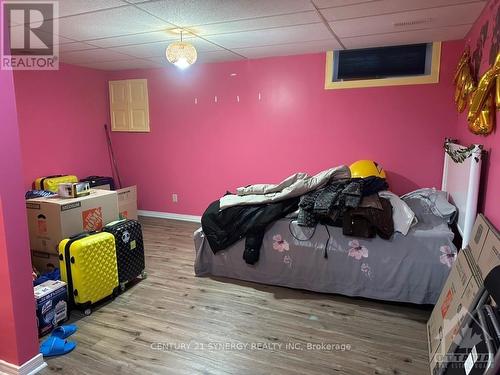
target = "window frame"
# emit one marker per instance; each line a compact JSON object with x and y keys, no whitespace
{"x":432,"y":77}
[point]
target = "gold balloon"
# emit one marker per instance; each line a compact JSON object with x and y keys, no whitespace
{"x":484,"y":123}
{"x":464,"y":82}
{"x":461,"y":63}
{"x":483,"y":89}
{"x":482,"y":108}
{"x":497,"y":96}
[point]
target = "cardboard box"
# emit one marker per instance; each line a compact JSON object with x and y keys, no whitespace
{"x":462,"y":290}
{"x":51,"y":305}
{"x":490,"y":256}
{"x":460,"y":294}
{"x":39,"y":260}
{"x":127,"y":202}
{"x":52,"y":219}
{"x":479,"y":233}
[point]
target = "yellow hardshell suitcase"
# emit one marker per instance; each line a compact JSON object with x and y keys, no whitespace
{"x":88,"y":265}
{"x":51,"y":183}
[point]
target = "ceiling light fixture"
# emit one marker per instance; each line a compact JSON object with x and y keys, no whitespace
{"x":181,"y":54}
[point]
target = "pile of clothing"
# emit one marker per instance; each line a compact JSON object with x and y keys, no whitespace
{"x":352,"y":204}
{"x":361,"y":206}
{"x":249,"y":212}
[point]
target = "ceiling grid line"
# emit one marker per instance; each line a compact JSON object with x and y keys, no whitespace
{"x":406,"y":31}
{"x":327,"y":25}
{"x":405,"y":11}
{"x":182,"y":28}
{"x":135,"y":34}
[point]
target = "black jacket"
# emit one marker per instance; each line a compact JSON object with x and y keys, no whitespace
{"x":223,"y":228}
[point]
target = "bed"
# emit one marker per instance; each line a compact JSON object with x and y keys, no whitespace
{"x":409,"y":268}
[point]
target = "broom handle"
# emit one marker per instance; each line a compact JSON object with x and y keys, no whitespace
{"x":113,"y":159}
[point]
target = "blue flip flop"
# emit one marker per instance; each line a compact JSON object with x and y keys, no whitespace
{"x":63,"y":332}
{"x":54,"y":346}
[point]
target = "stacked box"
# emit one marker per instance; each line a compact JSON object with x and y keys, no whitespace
{"x":50,"y":220}
{"x":51,"y":305}
{"x":462,"y":290}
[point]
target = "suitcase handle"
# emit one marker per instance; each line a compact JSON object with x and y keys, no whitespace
{"x":42,"y":180}
{"x":81,"y":235}
{"x":113,"y":223}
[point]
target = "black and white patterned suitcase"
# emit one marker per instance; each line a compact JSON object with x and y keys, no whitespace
{"x":129,"y":249}
{"x":479,"y":343}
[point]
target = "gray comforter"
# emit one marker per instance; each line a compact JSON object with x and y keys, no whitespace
{"x":410,"y":268}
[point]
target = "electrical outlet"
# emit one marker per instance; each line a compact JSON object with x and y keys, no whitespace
{"x":174,"y":198}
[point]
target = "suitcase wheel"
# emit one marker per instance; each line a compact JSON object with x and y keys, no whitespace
{"x":122,"y":287}
{"x":87,"y":311}
{"x":144,"y":275}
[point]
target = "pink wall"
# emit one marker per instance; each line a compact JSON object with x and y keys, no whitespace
{"x":489,"y":203}
{"x":201,"y":150}
{"x":61,"y":117}
{"x":18,"y":341}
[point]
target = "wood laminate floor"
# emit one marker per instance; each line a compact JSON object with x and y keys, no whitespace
{"x":175,"y":323}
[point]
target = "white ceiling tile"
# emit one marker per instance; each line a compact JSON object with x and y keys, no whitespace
{"x":300,"y":18}
{"x":196,"y":12}
{"x":148,"y":37}
{"x":289,"y":49}
{"x":410,"y":37}
{"x":63,"y":40}
{"x":217,"y":56}
{"x":439,"y":17}
{"x":158,"y":49}
{"x":281,"y":35}
{"x":108,"y":23}
{"x":252,"y":28}
{"x":206,"y":57}
{"x":123,"y":64}
{"x":60,"y":38}
{"x":394,"y":6}
{"x":339,"y":3}
{"x":75,"y":46}
{"x":69,"y":7}
{"x":94,"y":55}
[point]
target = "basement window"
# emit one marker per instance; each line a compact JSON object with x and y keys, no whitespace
{"x":383,"y":66}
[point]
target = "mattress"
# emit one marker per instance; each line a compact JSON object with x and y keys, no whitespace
{"x":411,"y":268}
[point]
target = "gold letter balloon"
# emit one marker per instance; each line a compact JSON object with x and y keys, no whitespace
{"x":464,"y":82}
{"x":482,"y":108}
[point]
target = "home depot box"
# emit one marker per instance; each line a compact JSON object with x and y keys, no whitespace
{"x":459,"y":296}
{"x":127,"y":202}
{"x":52,"y":219}
{"x":51,"y":305}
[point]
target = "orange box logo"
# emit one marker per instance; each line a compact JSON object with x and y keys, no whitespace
{"x":92,"y":219}
{"x":42,"y":224}
{"x":446,"y":304}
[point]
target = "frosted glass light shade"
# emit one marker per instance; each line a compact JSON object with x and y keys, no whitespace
{"x":181,"y":54}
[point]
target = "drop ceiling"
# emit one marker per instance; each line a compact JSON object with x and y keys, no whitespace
{"x":128,"y":34}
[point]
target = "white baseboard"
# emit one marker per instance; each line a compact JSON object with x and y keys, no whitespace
{"x":171,"y":216}
{"x":31,"y":367}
